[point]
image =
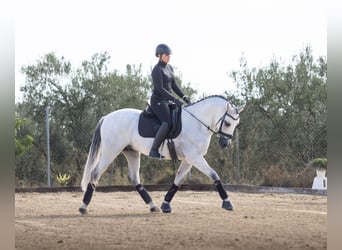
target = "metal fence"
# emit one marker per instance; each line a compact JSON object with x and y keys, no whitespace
{"x":265,"y":151}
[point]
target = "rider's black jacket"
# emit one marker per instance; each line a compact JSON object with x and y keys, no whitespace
{"x":164,"y":82}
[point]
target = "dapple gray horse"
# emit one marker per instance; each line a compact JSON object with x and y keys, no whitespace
{"x":117,"y":132}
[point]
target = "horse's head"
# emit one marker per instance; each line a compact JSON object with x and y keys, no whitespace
{"x":227,"y":124}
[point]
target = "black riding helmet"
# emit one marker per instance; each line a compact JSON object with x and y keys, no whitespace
{"x":163,"y":49}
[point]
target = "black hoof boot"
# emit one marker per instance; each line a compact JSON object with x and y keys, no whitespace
{"x":227,"y":205}
{"x":83,"y":210}
{"x":154,"y":209}
{"x":165,"y":207}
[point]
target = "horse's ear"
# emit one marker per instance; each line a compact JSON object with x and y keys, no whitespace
{"x":240,"y":108}
{"x":229,"y":106}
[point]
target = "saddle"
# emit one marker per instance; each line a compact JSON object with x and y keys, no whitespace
{"x":149,"y":123}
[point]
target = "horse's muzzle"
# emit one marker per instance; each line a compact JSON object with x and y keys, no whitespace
{"x":224,"y":141}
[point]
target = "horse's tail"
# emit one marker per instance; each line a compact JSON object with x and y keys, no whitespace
{"x":93,"y":156}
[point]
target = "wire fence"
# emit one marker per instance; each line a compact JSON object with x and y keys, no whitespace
{"x":272,"y":151}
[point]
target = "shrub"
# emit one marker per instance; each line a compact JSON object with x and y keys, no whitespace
{"x":319,"y":163}
{"x":275,"y":176}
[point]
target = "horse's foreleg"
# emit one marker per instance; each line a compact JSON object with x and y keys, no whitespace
{"x":226,"y":204}
{"x":133,"y":159}
{"x":183,"y":169}
{"x":201,"y":164}
{"x":146,"y":197}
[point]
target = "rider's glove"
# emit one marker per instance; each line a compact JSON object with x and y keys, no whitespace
{"x":178,"y":103}
{"x":186,"y":99}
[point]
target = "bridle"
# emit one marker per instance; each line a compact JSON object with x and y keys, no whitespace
{"x":219,"y":132}
{"x":222,"y":119}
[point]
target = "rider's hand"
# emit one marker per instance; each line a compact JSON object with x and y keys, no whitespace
{"x":186,"y":99}
{"x":178,"y":103}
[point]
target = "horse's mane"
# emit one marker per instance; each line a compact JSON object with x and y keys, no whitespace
{"x":205,"y":98}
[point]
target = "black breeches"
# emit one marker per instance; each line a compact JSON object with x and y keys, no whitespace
{"x":162,"y":110}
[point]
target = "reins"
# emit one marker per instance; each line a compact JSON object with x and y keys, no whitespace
{"x":209,"y":128}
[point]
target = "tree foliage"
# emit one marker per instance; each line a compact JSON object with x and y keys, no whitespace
{"x":285,"y":122}
{"x":76,"y":98}
{"x":23,"y":141}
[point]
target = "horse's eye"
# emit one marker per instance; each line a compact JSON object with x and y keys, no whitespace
{"x":227,"y":123}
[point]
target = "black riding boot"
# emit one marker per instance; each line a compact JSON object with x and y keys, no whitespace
{"x":160,"y":136}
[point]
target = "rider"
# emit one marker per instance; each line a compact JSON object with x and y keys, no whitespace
{"x":163,"y":85}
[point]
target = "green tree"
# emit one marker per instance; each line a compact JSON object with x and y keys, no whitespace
{"x":23,"y":141}
{"x":76,"y":98}
{"x":285,"y":121}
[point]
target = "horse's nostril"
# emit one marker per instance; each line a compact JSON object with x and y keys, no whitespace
{"x":224,"y":142}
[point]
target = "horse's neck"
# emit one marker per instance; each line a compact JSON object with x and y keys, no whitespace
{"x":208,"y":111}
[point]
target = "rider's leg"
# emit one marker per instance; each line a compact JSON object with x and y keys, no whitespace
{"x":160,"y":136}
{"x":162,"y":110}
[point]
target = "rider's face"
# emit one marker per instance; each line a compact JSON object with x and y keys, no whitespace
{"x":165,"y":58}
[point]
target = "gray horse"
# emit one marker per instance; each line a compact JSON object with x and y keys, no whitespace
{"x":117,"y":132}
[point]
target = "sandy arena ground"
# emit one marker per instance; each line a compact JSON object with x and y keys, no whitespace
{"x":121,"y":220}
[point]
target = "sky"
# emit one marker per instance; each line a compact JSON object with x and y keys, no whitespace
{"x":207,"y":37}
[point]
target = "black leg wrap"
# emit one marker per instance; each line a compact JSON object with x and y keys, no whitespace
{"x":88,"y":194}
{"x":220,"y":189}
{"x":143,"y":193}
{"x":171,"y":193}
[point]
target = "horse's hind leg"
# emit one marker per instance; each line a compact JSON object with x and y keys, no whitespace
{"x":133,"y":159}
{"x":183,"y":169}
{"x":105,"y":159}
{"x":87,"y":198}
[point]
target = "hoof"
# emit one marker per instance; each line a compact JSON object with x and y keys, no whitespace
{"x":154,"y":210}
{"x":227,"y":205}
{"x":165,"y":207}
{"x":82,"y":210}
